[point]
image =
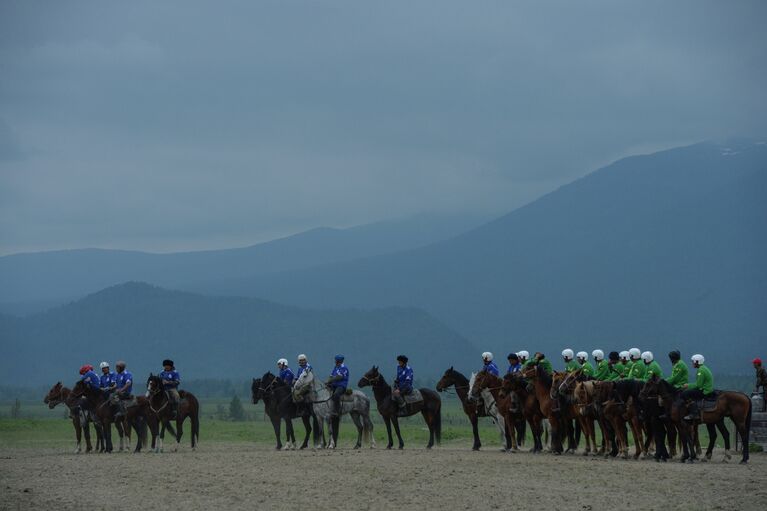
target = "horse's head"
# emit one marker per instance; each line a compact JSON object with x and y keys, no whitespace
{"x":583,"y":395}
{"x":153,"y":384}
{"x":302,"y":385}
{"x":54,"y":396}
{"x":80,"y":389}
{"x":650,"y":389}
{"x":473,"y":391}
{"x":483,"y":380}
{"x":529,"y":371}
{"x":563,"y":383}
{"x":255,"y":390}
{"x":370,"y":378}
{"x":602,"y":391}
{"x":448,"y":379}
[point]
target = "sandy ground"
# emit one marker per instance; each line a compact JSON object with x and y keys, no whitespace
{"x":247,"y":476}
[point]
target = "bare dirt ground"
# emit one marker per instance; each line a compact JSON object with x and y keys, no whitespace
{"x":247,"y":476}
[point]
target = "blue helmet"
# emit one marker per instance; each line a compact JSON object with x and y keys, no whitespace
{"x":339,"y":358}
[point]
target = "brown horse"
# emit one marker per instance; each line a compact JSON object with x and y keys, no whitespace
{"x":531,"y":411}
{"x":493,"y":384}
{"x":80,"y":418}
{"x":453,"y":378}
{"x":562,"y":387}
{"x":159,"y":406}
{"x":430,"y":408}
{"x":583,"y":397}
{"x":541,"y":381}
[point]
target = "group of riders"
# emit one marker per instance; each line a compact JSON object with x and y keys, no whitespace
{"x":118,"y":386}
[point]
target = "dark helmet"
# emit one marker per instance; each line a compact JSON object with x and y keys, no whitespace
{"x":402,"y":358}
{"x":339,"y":358}
{"x":674,"y":355}
{"x":513,"y":356}
{"x":614,"y":356}
{"x":168,"y":362}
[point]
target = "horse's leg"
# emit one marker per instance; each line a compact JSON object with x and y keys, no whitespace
{"x":277,"y":430}
{"x":711,"y":428}
{"x":335,"y":424}
{"x":636,"y":430}
{"x":428,"y":419}
{"x":726,"y":435}
{"x":358,"y":423}
{"x":108,"y":435}
{"x":475,"y":430}
{"x":387,"y":423}
{"x":536,"y":427}
{"x":290,"y":434}
{"x":179,"y":429}
{"x":307,"y":429}
{"x":696,"y":435}
{"x":671,"y":435}
{"x":395,"y":421}
{"x":78,"y":434}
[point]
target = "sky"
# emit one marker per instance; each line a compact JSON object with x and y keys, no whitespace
{"x":180,"y":125}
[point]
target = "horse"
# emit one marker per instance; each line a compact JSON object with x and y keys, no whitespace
{"x":160,"y":410}
{"x":80,"y":418}
{"x":430,"y":408}
{"x":103,"y":413}
{"x":488,"y":386}
{"x":470,"y":408}
{"x":310,"y":389}
{"x":588,"y":412}
{"x":735,"y":405}
{"x":515,"y":383}
{"x":279,"y":406}
{"x":561,"y":392}
{"x":541,"y":381}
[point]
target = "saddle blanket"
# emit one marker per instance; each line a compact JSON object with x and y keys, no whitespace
{"x":709,"y":402}
{"x":414,"y":397}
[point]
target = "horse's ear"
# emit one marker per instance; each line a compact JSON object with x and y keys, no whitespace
{"x":451,"y":368}
{"x":254,"y":380}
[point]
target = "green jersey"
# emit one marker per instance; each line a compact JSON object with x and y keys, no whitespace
{"x":637,"y":371}
{"x":627,"y":369}
{"x":704,"y":380}
{"x":572,"y":366}
{"x":587,"y":369}
{"x":679,"y":375}
{"x":652,"y":370}
{"x":546,"y":365}
{"x":603,"y":370}
{"x":616,"y":371}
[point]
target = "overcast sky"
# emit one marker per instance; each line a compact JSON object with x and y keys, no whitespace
{"x":177,"y":125}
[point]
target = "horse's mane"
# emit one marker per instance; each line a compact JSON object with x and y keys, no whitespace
{"x":542,"y":375}
{"x":458,"y":376}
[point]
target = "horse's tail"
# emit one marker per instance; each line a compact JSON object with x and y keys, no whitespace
{"x":748,"y":428}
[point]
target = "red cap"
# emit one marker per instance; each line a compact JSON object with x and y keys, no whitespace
{"x":757,"y":360}
{"x":84,"y":369}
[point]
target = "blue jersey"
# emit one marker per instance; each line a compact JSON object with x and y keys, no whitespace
{"x":342,"y":371}
{"x":514,"y":368}
{"x":287,"y":376}
{"x":491,"y":368}
{"x":122,"y":378}
{"x":106,"y":380}
{"x":404,"y":378}
{"x":92,"y":380}
{"x":301,"y":369}
{"x":170,"y":379}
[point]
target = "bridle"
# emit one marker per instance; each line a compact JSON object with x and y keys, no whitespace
{"x":153,"y":392}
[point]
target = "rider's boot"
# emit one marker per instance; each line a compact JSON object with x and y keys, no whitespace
{"x":692,"y":412}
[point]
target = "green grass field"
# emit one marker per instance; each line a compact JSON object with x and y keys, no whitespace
{"x":38,"y":426}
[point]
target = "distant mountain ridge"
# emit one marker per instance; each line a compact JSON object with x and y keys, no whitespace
{"x":211,"y":337}
{"x":661,"y":251}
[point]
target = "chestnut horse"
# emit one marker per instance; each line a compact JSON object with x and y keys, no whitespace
{"x":541,"y":381}
{"x":515,"y":383}
{"x":587,"y":412}
{"x":430,"y":408}
{"x":80,"y":418}
{"x":159,"y":406}
{"x":485,"y":381}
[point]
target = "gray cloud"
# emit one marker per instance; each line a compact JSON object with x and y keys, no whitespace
{"x":189,"y":124}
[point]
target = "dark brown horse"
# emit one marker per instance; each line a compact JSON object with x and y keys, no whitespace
{"x":541,"y":381}
{"x":515,"y":383}
{"x":278,"y":406}
{"x":81,"y":419}
{"x":159,"y":406}
{"x":561,"y":391}
{"x":430,"y":408}
{"x":453,"y":378}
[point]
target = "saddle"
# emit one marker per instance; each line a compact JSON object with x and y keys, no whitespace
{"x":709,"y":402}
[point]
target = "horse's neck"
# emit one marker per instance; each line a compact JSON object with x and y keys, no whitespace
{"x":381,"y":389}
{"x":461,"y":386}
{"x":319,"y":390}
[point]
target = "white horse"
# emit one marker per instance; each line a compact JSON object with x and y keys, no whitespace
{"x":311,"y":390}
{"x":491,"y":408}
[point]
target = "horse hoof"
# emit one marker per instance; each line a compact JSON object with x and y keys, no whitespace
{"x":744,"y":462}
{"x":389,"y":446}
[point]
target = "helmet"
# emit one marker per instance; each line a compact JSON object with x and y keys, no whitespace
{"x":757,"y":360}
{"x":487,"y":356}
{"x":282,"y":361}
{"x":698,"y":358}
{"x":523,"y":354}
{"x":614,"y":356}
{"x":339,"y":358}
{"x":598,"y":355}
{"x":103,"y":365}
{"x":568,"y":354}
{"x":624,"y":354}
{"x":402,"y":358}
{"x":302,"y":357}
{"x":168,"y":362}
{"x":120,"y":363}
{"x":635,"y":353}
{"x":647,"y":356}
{"x":582,"y":355}
{"x":512,"y":356}
{"x":674,"y":355}
{"x":84,"y":369}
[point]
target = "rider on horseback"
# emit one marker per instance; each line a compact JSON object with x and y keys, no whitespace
{"x":541,"y":360}
{"x":338,"y":381}
{"x":524,"y":358}
{"x":90,"y":377}
{"x":515,"y":365}
{"x":570,"y":364}
{"x":603,"y":368}
{"x":171,"y":380}
{"x":586,"y":368}
{"x":107,"y":378}
{"x":679,"y":371}
{"x":637,"y":369}
{"x":615,"y":366}
{"x":703,"y":387}
{"x":652,"y":368}
{"x":490,"y":366}
{"x":123,"y":387}
{"x":286,"y":373}
{"x":303,"y":365}
{"x":403,"y":384}
{"x":625,"y":363}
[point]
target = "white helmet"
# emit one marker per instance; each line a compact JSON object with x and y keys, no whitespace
{"x":647,"y":356}
{"x":624,"y":355}
{"x":598,"y":355}
{"x":698,"y":358}
{"x":582,"y":355}
{"x":487,"y":356}
{"x":104,"y":364}
{"x":634,"y":353}
{"x":302,"y":357}
{"x":523,"y":354}
{"x":282,"y":361}
{"x":568,"y":354}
